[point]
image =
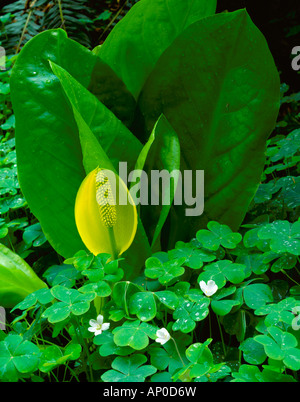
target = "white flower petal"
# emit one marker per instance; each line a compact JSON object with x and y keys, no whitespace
{"x":296,"y":323}
{"x":296,"y":310}
{"x":161,"y":333}
{"x":208,"y":288}
{"x":161,"y":341}
{"x":162,"y":336}
{"x":100,"y":319}
{"x":105,"y":326}
{"x":93,"y":323}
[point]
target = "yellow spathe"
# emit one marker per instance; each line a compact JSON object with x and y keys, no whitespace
{"x":104,"y":225}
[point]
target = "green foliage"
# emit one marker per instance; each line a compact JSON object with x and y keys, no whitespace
{"x":129,"y":369}
{"x":17,"y":278}
{"x":247,"y":330}
{"x":257,"y":310}
{"x":82,"y":124}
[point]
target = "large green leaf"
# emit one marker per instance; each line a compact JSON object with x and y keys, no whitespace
{"x":218,"y":86}
{"x":110,"y":140}
{"x":92,"y":117}
{"x":17,"y":279}
{"x":47,"y":142}
{"x":161,"y":155}
{"x":137,"y":41}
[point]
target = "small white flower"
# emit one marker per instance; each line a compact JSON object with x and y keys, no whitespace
{"x":208,"y":288}
{"x":296,"y":320}
{"x":97,"y":326}
{"x":162,"y":336}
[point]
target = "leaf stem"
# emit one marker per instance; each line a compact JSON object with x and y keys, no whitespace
{"x":221,"y":334}
{"x":25,"y":26}
{"x":61,"y":15}
{"x":82,"y":342}
{"x":283,"y":271}
{"x":177,"y":350}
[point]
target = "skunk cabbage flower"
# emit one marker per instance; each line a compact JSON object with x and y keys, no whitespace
{"x":105,"y":213}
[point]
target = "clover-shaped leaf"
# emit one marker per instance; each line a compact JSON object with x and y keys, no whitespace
{"x":290,"y":191}
{"x":278,"y":313}
{"x":129,"y":369}
{"x":218,"y":235}
{"x":165,"y":272}
{"x":270,"y":375}
{"x":167,"y":298}
{"x":17,"y":357}
{"x":257,"y":295}
{"x":246,"y":373}
{"x":166,"y":357}
{"x":287,"y":146}
{"x":283,"y":236}
{"x":188,"y":313}
{"x":108,"y":346}
{"x":101,"y":288}
{"x":199,"y":352}
{"x":64,"y":275}
{"x":194,"y":257}
{"x":34,"y":235}
{"x":70,"y":301}
{"x":100,"y":265}
{"x":53,"y":356}
{"x":81,"y":260}
{"x":134,"y":334}
{"x":285,"y":261}
{"x":254,"y":263}
{"x":265,"y":192}
{"x":253,"y":352}
{"x":143,"y":305}
{"x":280,"y":345}
{"x":221,"y":306}
{"x":221,"y":271}
{"x":201,"y":362}
{"x":112,"y":271}
{"x":43,"y":296}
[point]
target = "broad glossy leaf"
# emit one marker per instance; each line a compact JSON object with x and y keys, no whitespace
{"x":47,"y":142}
{"x":116,"y":142}
{"x":218,"y":87}
{"x":97,"y":125}
{"x":137,"y":41}
{"x":17,"y":278}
